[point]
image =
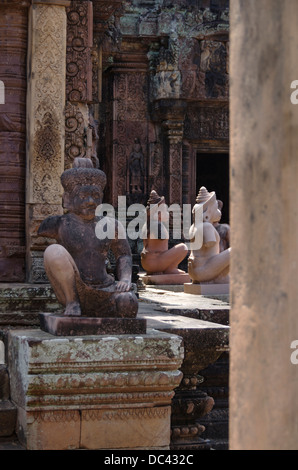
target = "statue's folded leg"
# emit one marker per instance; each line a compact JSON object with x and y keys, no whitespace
{"x":211,"y":269}
{"x":61,"y":271}
{"x":126,"y":304}
{"x":164,"y":262}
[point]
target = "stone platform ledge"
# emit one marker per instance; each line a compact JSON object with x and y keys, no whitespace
{"x":20,"y":303}
{"x":208,"y":308}
{"x":212,"y":339}
{"x":60,"y":325}
{"x":164,"y":279}
{"x":207,"y":289}
{"x":94,"y":392}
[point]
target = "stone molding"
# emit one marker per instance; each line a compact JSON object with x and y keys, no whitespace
{"x":95,"y":392}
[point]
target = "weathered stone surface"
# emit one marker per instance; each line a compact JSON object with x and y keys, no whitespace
{"x":60,"y":325}
{"x":4,"y":383}
{"x":8,"y":416}
{"x":200,"y":406}
{"x":69,"y":389}
{"x":166,"y":83}
{"x":13,"y":39}
{"x":264,"y":123}
{"x":21,"y":303}
{"x":207,"y":289}
{"x":216,"y":385}
{"x":164,"y":279}
{"x":170,"y":300}
{"x":204,"y":343}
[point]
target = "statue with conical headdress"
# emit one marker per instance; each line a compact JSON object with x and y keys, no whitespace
{"x":156,"y":257}
{"x":206,"y":263}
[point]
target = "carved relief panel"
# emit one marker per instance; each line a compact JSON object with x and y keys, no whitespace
{"x":79,"y":80}
{"x":130,"y":136}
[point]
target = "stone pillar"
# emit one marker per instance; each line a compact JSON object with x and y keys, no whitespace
{"x":264,"y":195}
{"x":13,"y":40}
{"x":45,"y":123}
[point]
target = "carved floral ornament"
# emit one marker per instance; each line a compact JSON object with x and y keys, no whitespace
{"x":104,"y":9}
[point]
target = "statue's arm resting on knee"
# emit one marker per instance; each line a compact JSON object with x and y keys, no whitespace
{"x":123,"y":272}
{"x":49,"y":227}
{"x":209,"y":237}
{"x":122,"y":253}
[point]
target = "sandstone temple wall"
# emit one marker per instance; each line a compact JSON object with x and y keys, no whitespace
{"x":106,"y":80}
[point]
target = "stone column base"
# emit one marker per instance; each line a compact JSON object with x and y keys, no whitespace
{"x":94,"y":392}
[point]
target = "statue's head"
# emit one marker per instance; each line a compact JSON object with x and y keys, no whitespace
{"x":83,"y":188}
{"x":207,"y":204}
{"x":156,"y":206}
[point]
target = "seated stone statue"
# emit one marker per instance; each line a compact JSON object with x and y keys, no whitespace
{"x":207,"y":264}
{"x":156,"y":257}
{"x":76,"y":265}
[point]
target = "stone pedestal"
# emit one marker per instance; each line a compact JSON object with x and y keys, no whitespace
{"x":59,"y":325}
{"x":94,"y":392}
{"x":164,"y":279}
{"x":207,"y":289}
{"x":204,"y":343}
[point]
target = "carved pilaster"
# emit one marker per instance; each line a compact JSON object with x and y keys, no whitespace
{"x":78,"y":56}
{"x":171,"y":114}
{"x":45,"y":123}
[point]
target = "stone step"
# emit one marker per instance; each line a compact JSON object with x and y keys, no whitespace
{"x":10,"y":443}
{"x":222,"y":444}
{"x":8,"y":417}
{"x":21,"y":303}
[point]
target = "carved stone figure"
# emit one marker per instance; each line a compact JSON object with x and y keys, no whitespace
{"x":224,"y":231}
{"x":136,"y":167}
{"x":207,"y":264}
{"x":156,"y":257}
{"x":76,"y":265}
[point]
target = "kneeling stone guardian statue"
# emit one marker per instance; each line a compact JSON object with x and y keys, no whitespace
{"x":76,"y":264}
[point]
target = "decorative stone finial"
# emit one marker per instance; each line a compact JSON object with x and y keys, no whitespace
{"x":155,"y":199}
{"x":204,"y":197}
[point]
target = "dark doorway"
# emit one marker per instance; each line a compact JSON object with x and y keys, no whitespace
{"x":213,"y":173}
